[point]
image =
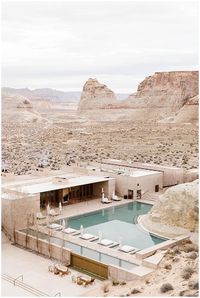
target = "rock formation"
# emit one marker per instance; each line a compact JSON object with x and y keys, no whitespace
{"x":177,"y":207}
{"x":17,"y":108}
{"x":189,"y":113}
{"x":165,"y":89}
{"x":25,"y":103}
{"x":96,"y":96}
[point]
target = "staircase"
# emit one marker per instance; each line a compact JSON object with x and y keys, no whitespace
{"x":24,"y":286}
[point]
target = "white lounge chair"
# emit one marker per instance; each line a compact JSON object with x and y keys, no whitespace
{"x":54,"y":226}
{"x":127,"y":248}
{"x":69,"y":231}
{"x":105,"y":201}
{"x":39,"y":215}
{"x":106,"y":242}
{"x":116,"y":198}
{"x":52,"y":212}
{"x":86,"y":236}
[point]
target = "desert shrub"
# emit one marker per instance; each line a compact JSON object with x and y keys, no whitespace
{"x":176,"y":251}
{"x":192,"y":255}
{"x":190,"y":247}
{"x":106,"y":286}
{"x":115,"y":282}
{"x":188,"y":269}
{"x":194,"y":284}
{"x":135,"y":291}
{"x":168,"y":266}
{"x":122,"y":283}
{"x":176,"y":259}
{"x":166,"y":287}
{"x":186,"y":275}
{"x":187,"y":272}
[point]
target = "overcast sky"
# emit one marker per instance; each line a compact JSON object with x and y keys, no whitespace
{"x":60,"y":44}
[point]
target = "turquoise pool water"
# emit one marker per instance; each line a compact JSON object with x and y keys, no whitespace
{"x":117,"y":222}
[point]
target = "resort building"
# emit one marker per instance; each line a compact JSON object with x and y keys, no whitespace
{"x":30,"y":196}
{"x":25,"y":195}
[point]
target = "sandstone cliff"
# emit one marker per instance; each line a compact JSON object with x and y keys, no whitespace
{"x":96,"y":96}
{"x":189,"y":113}
{"x":177,"y":207}
{"x":165,"y":90}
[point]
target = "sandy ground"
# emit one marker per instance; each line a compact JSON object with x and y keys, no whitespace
{"x":170,"y":271}
{"x":17,"y":261}
{"x":69,"y":137}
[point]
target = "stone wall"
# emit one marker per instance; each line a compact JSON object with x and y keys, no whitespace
{"x":43,"y":247}
{"x":17,"y":212}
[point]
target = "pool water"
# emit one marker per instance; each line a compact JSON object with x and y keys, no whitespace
{"x":118,"y":224}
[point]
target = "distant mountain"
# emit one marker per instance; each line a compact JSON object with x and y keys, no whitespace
{"x":44,"y":94}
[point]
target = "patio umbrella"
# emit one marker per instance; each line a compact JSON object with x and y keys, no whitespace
{"x":113,"y":195}
{"x":48,"y":209}
{"x":100,"y":235}
{"x":81,"y":230}
{"x":103,"y":195}
{"x":120,"y":242}
{"x":60,"y":207}
{"x":47,"y":220}
{"x":63,"y":224}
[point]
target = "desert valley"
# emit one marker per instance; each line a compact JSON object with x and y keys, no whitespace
{"x":158,"y":124}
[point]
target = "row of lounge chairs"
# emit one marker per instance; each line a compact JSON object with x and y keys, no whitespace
{"x":107,"y":201}
{"x":91,"y":238}
{"x":52,"y":212}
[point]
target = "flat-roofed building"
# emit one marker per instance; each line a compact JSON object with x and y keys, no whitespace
{"x":25,"y":198}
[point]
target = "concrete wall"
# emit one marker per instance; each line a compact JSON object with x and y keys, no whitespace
{"x":145,"y":183}
{"x":120,"y":274}
{"x":171,"y":176}
{"x":108,"y":187}
{"x":16,"y":212}
{"x":43,"y":247}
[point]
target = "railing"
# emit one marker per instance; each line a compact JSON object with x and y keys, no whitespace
{"x":14,"y":282}
{"x":24,"y":286}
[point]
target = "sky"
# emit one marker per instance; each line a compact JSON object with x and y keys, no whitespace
{"x":60,"y":44}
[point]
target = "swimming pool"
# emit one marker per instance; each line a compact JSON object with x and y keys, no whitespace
{"x":117,"y":222}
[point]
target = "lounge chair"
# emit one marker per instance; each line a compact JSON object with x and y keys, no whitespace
{"x":39,"y":215}
{"x":52,"y":212}
{"x":116,"y":198}
{"x":55,"y":226}
{"x":69,"y":231}
{"x":106,"y":242}
{"x":87,"y":236}
{"x":127,"y":248}
{"x":105,"y":201}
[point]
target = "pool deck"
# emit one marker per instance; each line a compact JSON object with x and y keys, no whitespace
{"x":87,"y":207}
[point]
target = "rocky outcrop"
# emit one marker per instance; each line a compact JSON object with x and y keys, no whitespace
{"x":25,"y":103}
{"x":96,"y":96}
{"x":189,"y":113}
{"x":177,"y":207}
{"x":164,"y":90}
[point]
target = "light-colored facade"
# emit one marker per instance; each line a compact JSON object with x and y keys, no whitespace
{"x":22,"y":198}
{"x":22,"y":201}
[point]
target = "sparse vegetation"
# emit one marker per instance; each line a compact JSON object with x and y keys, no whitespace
{"x":194,"y":284}
{"x":135,"y":291}
{"x":187,"y":272}
{"x":106,"y":286}
{"x":192,"y":255}
{"x":166,"y":287}
{"x":115,"y":282}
